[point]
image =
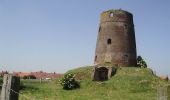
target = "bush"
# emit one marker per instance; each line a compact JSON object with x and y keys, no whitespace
{"x":1,"y":81}
{"x":141,"y":63}
{"x":68,"y":82}
{"x":29,"y":77}
{"x":22,"y":86}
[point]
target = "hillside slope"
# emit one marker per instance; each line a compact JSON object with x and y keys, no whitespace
{"x":129,"y":83}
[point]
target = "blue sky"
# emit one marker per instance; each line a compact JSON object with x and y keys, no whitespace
{"x":58,"y":35}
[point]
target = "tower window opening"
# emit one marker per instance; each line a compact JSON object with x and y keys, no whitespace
{"x":95,"y":58}
{"x":126,"y":58}
{"x":126,"y":26}
{"x":99,"y":28}
{"x":109,"y":41}
{"x":111,"y":15}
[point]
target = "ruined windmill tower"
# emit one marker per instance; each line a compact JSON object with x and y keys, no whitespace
{"x":116,"y":39}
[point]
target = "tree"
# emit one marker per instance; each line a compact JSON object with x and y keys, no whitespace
{"x":141,"y":62}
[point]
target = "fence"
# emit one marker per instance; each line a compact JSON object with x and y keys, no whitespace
{"x":10,"y":87}
{"x":164,"y":93}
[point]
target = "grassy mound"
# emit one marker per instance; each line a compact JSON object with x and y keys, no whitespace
{"x":82,"y":73}
{"x":129,"y":83}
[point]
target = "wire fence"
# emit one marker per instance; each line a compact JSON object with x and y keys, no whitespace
{"x":163,"y":93}
{"x":20,"y":94}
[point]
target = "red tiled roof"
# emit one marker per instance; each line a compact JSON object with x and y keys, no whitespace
{"x":39,"y":74}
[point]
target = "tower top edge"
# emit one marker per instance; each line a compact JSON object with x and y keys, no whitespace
{"x":116,"y":11}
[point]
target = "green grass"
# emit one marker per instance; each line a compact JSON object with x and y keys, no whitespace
{"x":128,"y":84}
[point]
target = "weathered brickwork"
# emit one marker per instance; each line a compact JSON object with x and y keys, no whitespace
{"x":116,"y":39}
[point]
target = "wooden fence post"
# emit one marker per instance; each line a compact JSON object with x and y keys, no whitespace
{"x":164,"y":93}
{"x":10,"y":87}
{"x":168,"y":92}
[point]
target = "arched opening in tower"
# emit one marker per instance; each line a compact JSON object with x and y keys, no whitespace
{"x":95,"y":58}
{"x":99,"y":28}
{"x":109,"y":41}
{"x":101,"y":74}
{"x":111,"y":15}
{"x":125,"y":58}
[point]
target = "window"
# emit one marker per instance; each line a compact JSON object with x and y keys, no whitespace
{"x":111,"y":15}
{"x":99,"y":28}
{"x":95,"y":58}
{"x":109,"y":41}
{"x":126,"y":26}
{"x":126,"y":58}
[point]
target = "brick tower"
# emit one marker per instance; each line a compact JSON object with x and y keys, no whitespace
{"x":116,"y":42}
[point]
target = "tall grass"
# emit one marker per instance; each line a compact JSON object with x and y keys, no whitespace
{"x":127,"y":84}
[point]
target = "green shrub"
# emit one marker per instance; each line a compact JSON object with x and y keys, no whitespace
{"x":141,"y":63}
{"x":68,"y":82}
{"x":1,"y":81}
